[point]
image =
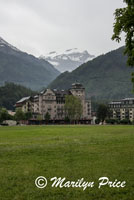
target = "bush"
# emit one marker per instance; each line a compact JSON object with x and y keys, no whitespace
{"x":112,"y":121}
{"x":125,"y":121}
{"x":4,"y":115}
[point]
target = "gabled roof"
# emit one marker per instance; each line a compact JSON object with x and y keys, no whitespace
{"x":115,"y":102}
{"x":128,"y":99}
{"x":43,"y":91}
{"x":23,"y":99}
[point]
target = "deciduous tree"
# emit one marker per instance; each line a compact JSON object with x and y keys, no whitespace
{"x":102,"y":112}
{"x":19,"y":115}
{"x":4,"y":114}
{"x":28,"y":115}
{"x":47,"y":117}
{"x":124,"y":22}
{"x":73,"y":107}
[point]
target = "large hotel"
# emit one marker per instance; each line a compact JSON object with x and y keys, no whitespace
{"x":52,"y":101}
{"x":123,"y":109}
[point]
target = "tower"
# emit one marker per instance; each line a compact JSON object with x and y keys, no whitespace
{"x":78,"y":90}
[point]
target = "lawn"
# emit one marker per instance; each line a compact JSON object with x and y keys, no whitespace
{"x":73,"y":152}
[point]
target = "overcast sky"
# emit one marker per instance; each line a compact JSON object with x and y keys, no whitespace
{"x":41,"y":26}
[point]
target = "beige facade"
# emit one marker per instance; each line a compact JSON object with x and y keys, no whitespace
{"x":123,"y":109}
{"x":26,"y":104}
{"x":53,"y":101}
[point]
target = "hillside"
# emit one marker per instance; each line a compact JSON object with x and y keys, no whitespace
{"x":10,"y":93}
{"x":106,"y":77}
{"x":21,"y":68}
{"x":68,"y":60}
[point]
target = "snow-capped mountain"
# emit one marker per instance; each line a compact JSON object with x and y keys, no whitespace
{"x":3,"y":43}
{"x":69,"y":60}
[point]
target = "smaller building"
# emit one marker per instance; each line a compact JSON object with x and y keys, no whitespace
{"x":123,"y":109}
{"x":10,"y":112}
{"x":25,"y":104}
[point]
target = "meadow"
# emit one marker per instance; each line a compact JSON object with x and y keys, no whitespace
{"x":74,"y":152}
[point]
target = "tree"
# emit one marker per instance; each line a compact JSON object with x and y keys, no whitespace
{"x":102,"y":112}
{"x":4,"y":114}
{"x":73,"y":107}
{"x":47,"y":117}
{"x":39,"y":117}
{"x":19,"y":115}
{"x":28,"y":115}
{"x":124,"y":22}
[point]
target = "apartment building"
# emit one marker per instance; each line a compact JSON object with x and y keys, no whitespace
{"x":123,"y":109}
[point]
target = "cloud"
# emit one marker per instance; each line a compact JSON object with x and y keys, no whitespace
{"x":40,"y":26}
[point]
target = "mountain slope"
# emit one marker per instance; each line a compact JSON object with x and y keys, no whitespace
{"x":106,"y":77}
{"x":22,"y":68}
{"x":69,"y":60}
{"x":10,"y":93}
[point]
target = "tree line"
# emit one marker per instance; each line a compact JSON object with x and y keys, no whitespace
{"x":10,"y":93}
{"x":19,"y":115}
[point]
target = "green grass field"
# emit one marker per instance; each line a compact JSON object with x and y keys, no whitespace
{"x":74,"y":152}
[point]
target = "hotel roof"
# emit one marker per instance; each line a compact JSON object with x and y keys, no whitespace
{"x":23,"y":99}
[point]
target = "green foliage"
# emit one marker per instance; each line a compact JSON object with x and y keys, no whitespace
{"x":67,"y":119}
{"x":117,"y":121}
{"x":11,"y":93}
{"x":47,"y":117}
{"x":73,"y":107}
{"x":28,"y":115}
{"x":4,"y":115}
{"x":102,"y":112}
{"x":124,"y":22}
{"x":19,"y":115}
{"x":125,"y":121}
{"x":39,"y":117}
{"x":112,"y":121}
{"x":105,"y":78}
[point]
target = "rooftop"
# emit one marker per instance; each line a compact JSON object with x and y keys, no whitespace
{"x":115,"y":102}
{"x":23,"y":99}
{"x":128,"y":99}
{"x":77,"y":85}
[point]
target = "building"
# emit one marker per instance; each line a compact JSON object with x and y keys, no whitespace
{"x":10,"y":112}
{"x":123,"y":109}
{"x":26,"y":104}
{"x":52,"y":101}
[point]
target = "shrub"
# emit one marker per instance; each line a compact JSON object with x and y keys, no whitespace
{"x":125,"y":121}
{"x":112,"y":121}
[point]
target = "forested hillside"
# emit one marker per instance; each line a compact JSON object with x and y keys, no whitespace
{"x":106,"y":77}
{"x":10,"y":93}
{"x":24,"y":69}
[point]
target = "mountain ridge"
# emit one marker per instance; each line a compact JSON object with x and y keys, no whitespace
{"x":23,"y":68}
{"x":68,"y":60}
{"x":105,"y":77}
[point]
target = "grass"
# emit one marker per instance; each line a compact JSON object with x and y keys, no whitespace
{"x":74,"y":152}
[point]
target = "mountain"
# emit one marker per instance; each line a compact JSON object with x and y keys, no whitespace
{"x":21,"y":68}
{"x":105,"y":77}
{"x":10,"y":93}
{"x":69,"y":60}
